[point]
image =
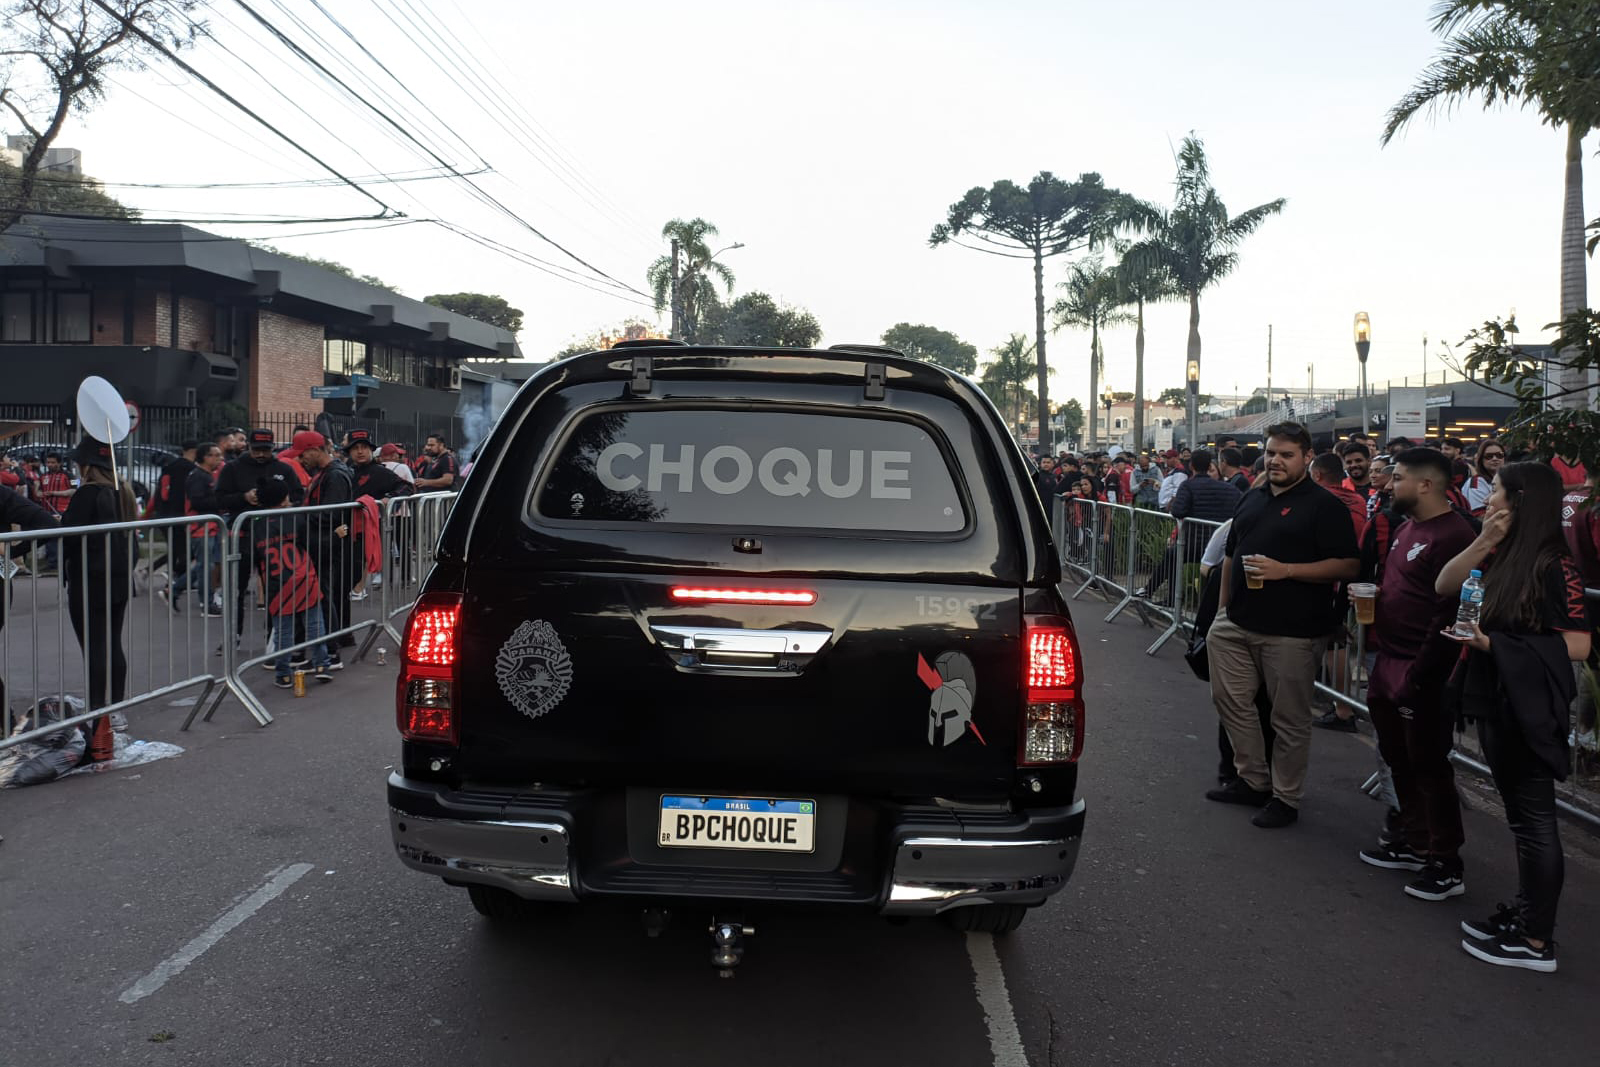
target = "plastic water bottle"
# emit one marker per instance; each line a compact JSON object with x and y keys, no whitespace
{"x":1471,"y":604}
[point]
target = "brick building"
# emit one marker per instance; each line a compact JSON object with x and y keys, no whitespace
{"x":175,"y":317}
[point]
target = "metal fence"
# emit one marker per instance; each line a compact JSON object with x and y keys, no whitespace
{"x":104,"y":618}
{"x":1150,"y":562}
{"x":69,"y":597}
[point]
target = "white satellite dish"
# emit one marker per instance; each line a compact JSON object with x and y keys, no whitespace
{"x":102,"y":413}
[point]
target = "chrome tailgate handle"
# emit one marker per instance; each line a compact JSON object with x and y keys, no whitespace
{"x":771,"y":650}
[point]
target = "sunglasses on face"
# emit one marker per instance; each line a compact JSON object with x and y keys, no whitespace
{"x":1493,"y":455}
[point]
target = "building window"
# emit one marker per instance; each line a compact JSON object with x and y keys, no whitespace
{"x":16,"y":317}
{"x":344,"y":357}
{"x":72,"y":325}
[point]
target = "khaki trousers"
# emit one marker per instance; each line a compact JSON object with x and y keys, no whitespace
{"x":1243,"y":661}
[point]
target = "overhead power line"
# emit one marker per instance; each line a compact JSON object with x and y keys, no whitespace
{"x":488,"y":198}
{"x":133,"y":28}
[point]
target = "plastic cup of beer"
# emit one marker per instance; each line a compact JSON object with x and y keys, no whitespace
{"x":1252,"y":578}
{"x":1364,"y":595}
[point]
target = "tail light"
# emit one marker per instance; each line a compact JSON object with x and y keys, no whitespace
{"x":430,"y":670}
{"x":1052,"y":683}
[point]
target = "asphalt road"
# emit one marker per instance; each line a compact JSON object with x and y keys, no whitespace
{"x":1187,"y":937}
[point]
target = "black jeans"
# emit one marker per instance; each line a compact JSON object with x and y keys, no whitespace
{"x":1529,"y":791}
{"x":99,"y":630}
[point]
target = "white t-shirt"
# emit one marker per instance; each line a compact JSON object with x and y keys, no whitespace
{"x":1477,"y":491}
{"x":1216,"y":548}
{"x":1169,"y":488}
{"x":401,"y":471}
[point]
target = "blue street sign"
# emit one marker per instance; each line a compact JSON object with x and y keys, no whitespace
{"x":364,"y":381}
{"x":333,"y":392}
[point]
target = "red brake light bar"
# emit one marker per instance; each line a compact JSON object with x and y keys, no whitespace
{"x":743,"y":596}
{"x":428,"y":684}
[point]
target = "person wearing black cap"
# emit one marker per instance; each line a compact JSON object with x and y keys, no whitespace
{"x":96,"y":569}
{"x":370,"y":477}
{"x":237,"y":483}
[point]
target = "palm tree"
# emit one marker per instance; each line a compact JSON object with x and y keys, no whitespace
{"x":698,"y":273}
{"x":1091,"y":303}
{"x":1196,"y":242}
{"x":1007,"y":377}
{"x":1140,"y":285}
{"x":1539,"y":53}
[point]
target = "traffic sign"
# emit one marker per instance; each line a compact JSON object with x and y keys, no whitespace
{"x":133,"y":416}
{"x":365,"y":381}
{"x":333,"y":392}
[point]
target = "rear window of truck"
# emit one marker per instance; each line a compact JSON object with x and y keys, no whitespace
{"x":752,"y":468}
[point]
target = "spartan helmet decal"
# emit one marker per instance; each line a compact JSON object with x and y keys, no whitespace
{"x":954,"y":683}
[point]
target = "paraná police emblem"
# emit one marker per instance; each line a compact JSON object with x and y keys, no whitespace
{"x":533,"y":668}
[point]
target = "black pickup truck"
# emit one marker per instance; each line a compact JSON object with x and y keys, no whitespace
{"x":730,"y":627}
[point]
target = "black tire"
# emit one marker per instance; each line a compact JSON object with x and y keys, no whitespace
{"x":987,"y":918}
{"x":501,"y":905}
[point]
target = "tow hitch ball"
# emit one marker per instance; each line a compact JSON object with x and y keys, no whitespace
{"x":728,"y":951}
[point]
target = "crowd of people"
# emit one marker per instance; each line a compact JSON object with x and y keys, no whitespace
{"x":307,"y":567}
{"x":1406,"y":526}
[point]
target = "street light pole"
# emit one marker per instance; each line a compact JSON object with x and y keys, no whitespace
{"x":1363,"y":346}
{"x":1193,"y":405}
{"x":1108,"y":398}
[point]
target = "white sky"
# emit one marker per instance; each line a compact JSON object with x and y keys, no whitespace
{"x":830,"y":138}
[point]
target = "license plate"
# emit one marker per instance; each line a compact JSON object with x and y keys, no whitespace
{"x":747,"y":823}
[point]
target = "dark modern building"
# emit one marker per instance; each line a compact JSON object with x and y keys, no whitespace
{"x":175,"y":317}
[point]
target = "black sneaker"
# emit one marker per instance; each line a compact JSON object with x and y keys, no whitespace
{"x":336,"y":665}
{"x":1437,"y":882}
{"x":1238,"y":791}
{"x":1330,"y":721}
{"x":283,"y":681}
{"x":1276,"y":815}
{"x":1513,"y":951}
{"x":1393,"y":858}
{"x":1502,"y":923}
{"x":299,"y":659}
{"x":321,"y":674}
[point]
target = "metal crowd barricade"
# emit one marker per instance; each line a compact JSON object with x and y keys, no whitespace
{"x":411,"y":526}
{"x":284,"y":554}
{"x":89,"y":639}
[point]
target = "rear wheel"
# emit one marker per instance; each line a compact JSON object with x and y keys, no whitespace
{"x":501,"y":905}
{"x":987,"y":918}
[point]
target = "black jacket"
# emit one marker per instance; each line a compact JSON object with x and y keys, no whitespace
{"x":102,"y":558}
{"x":1203,"y":497}
{"x":244,"y":474}
{"x":171,"y":491}
{"x":1524,"y":680}
{"x":18,"y":510}
{"x":330,"y":485}
{"x":377,"y":481}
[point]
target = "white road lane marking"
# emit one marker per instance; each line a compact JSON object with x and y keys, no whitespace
{"x":1005,"y":1042}
{"x":277,"y":881}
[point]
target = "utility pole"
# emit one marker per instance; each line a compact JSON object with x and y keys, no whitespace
{"x":1269,"y":367}
{"x":1311,"y":388}
{"x":1424,"y":361}
{"x":676,"y":330}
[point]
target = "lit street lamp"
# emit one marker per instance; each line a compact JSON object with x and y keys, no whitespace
{"x":1108,"y":398}
{"x":1193,"y":413}
{"x":1363,"y":346}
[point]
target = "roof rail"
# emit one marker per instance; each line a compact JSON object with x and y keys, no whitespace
{"x":651,"y":342}
{"x":882,"y":350}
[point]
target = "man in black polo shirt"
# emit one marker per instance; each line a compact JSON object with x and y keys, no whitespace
{"x":440,"y":472}
{"x":1298,"y":542}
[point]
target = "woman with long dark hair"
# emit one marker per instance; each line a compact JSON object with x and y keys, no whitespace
{"x":96,"y":571}
{"x":1515,"y":679}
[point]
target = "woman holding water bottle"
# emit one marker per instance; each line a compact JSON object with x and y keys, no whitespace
{"x":1532,"y":621}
